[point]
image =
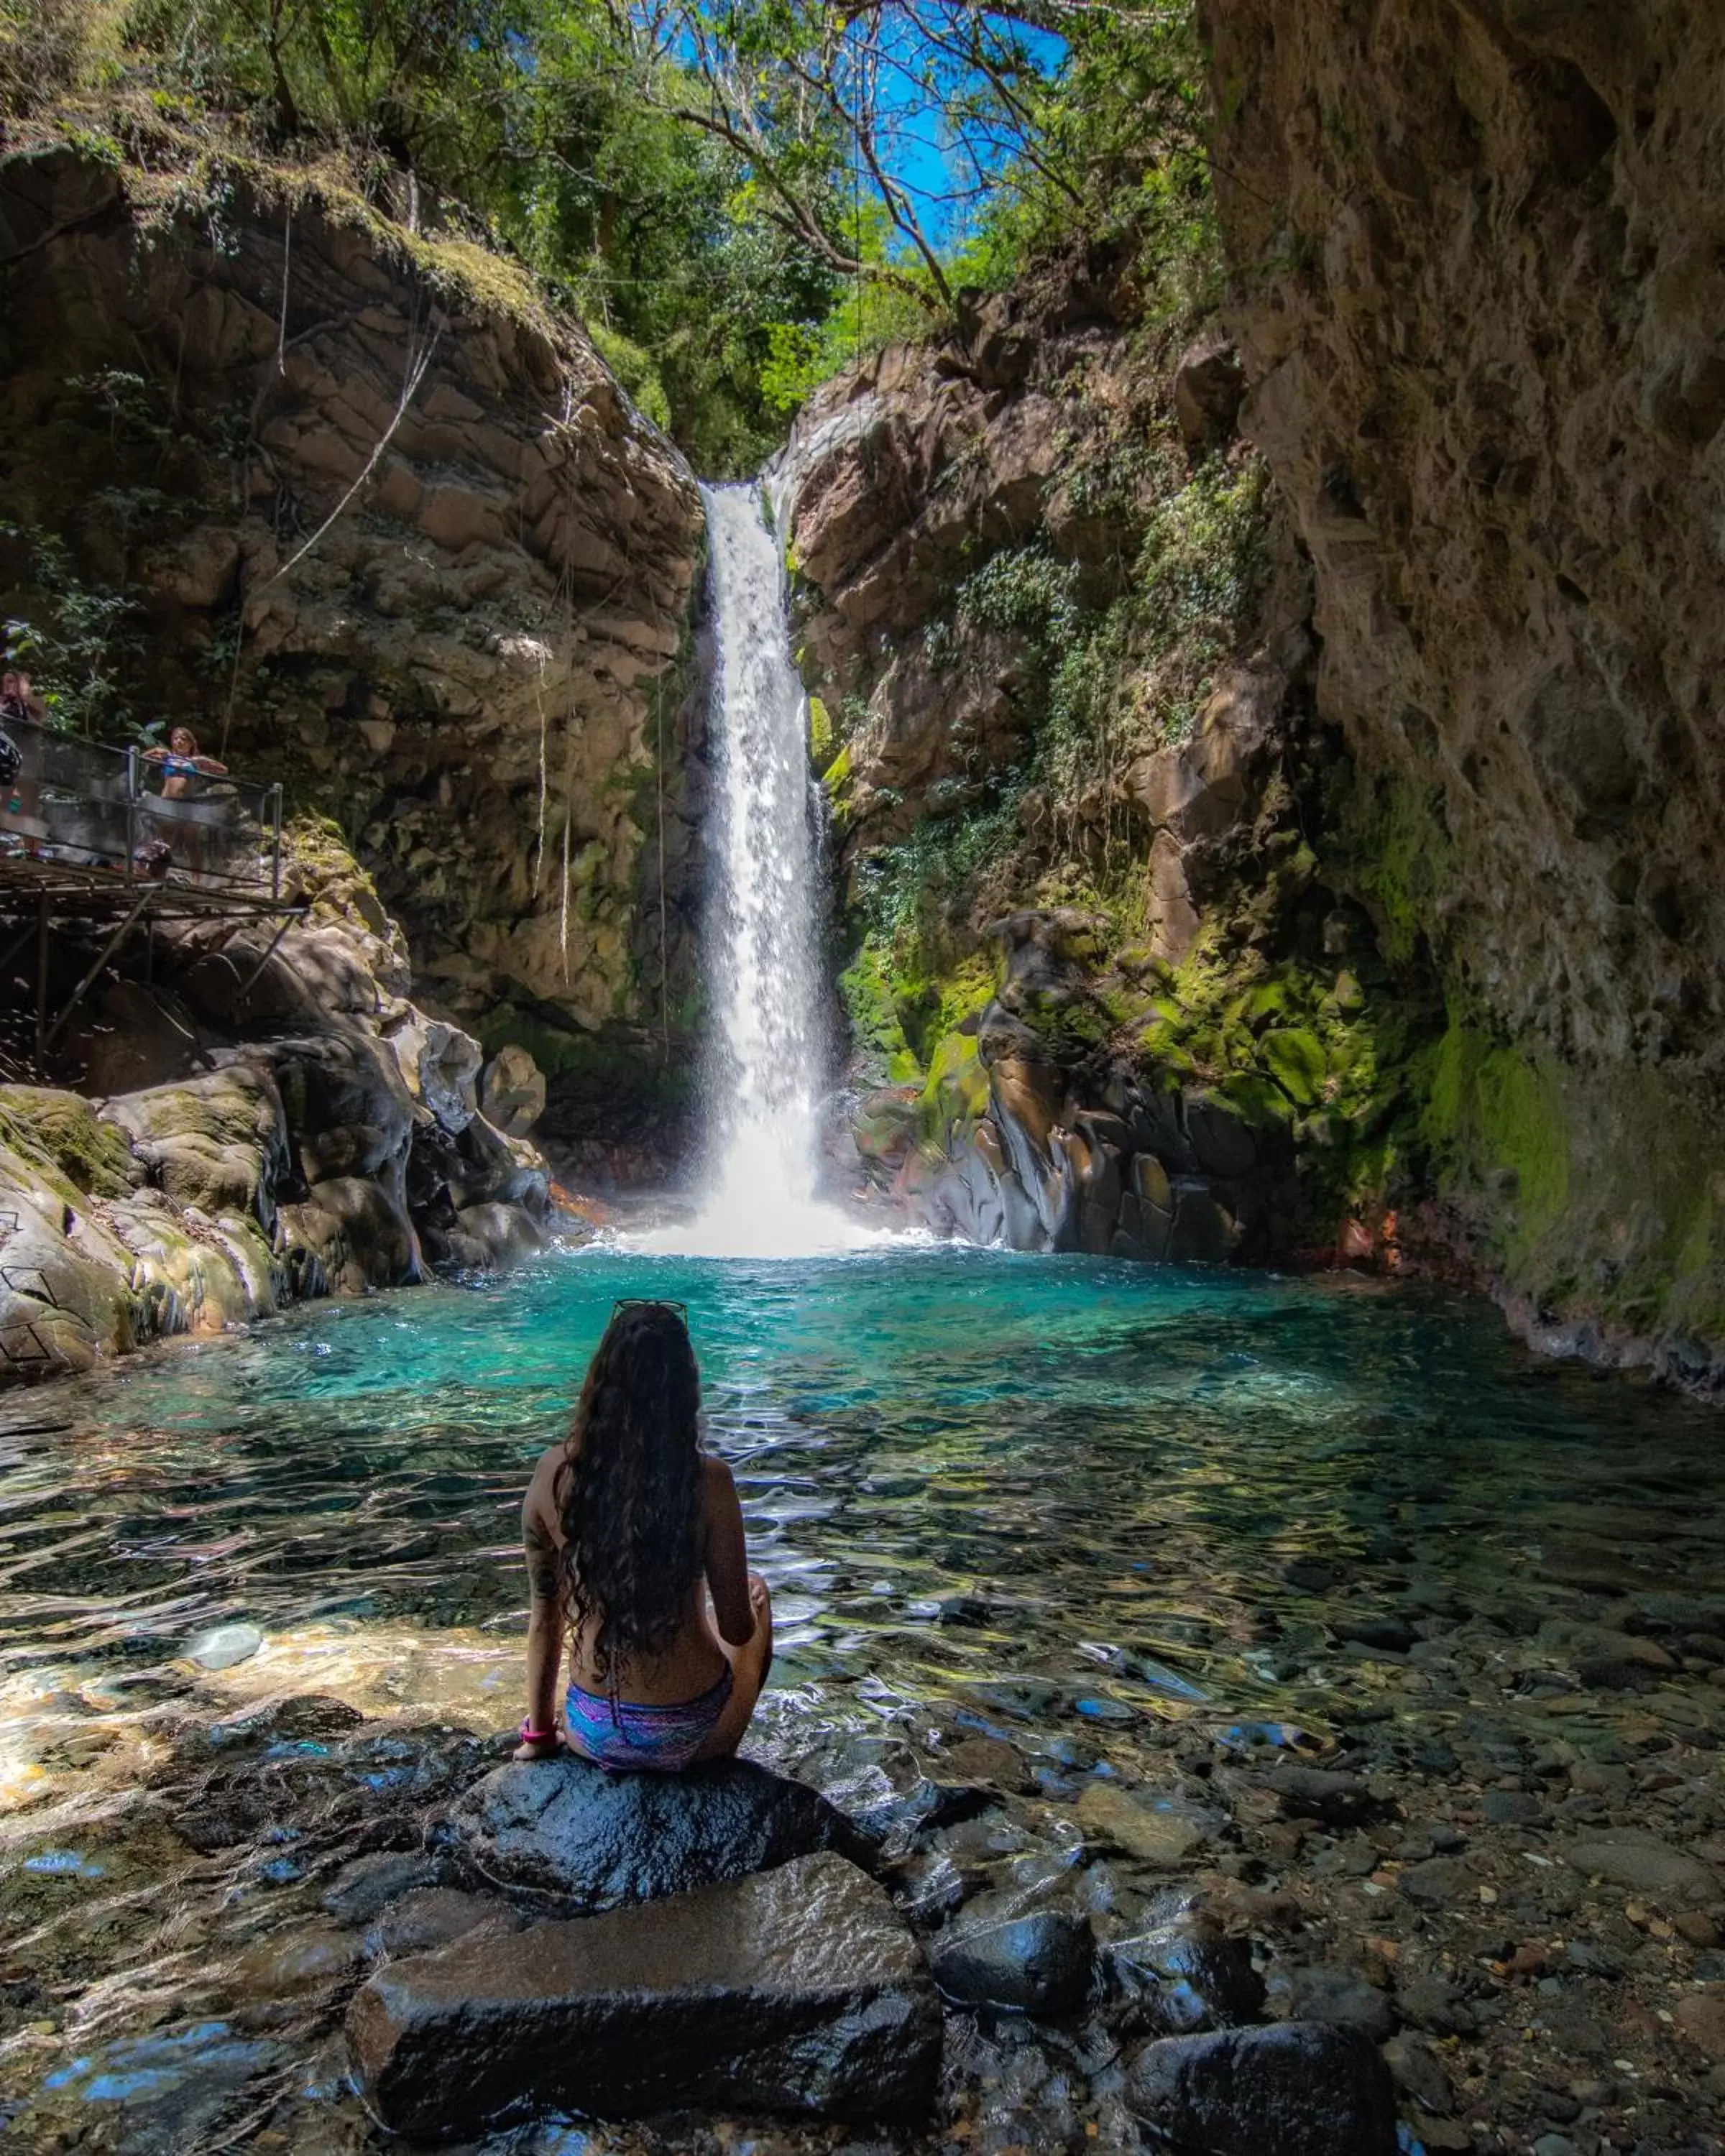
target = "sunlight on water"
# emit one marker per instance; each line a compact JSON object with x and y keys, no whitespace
{"x":1082,"y":1505}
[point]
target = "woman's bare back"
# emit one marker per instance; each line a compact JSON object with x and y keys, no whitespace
{"x":696,"y":1660}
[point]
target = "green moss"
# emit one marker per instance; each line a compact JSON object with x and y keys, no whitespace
{"x":957,"y":1090}
{"x":59,"y":1135}
{"x":877,"y":1032}
{"x":822,"y":735}
{"x":1295,"y":1058}
{"x":1496,"y":1118}
{"x":1402,"y":859}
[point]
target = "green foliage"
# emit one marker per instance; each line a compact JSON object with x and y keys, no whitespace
{"x":1026,"y":590}
{"x":50,"y":47}
{"x":802,"y":356}
{"x":1117,"y":154}
{"x":636,"y":371}
{"x":77,"y":645}
{"x":901,"y":887}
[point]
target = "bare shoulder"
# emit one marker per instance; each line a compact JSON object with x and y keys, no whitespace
{"x":541,"y":1501}
{"x":716,"y":1479}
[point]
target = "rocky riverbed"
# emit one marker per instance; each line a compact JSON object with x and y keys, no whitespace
{"x":1185,"y":1653}
{"x":1505,"y":1906}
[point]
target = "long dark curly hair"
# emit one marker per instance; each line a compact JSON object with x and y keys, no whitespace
{"x":628,"y":1489}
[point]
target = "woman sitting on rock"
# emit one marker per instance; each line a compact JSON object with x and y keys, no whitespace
{"x":623,"y":1523}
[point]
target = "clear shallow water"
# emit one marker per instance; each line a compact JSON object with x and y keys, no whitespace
{"x":1041,"y":1496}
{"x":1081,"y":1453}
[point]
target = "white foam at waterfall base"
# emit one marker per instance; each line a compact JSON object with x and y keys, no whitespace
{"x":761,"y":957}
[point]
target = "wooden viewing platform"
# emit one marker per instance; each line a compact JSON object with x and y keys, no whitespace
{"x":88,"y":839}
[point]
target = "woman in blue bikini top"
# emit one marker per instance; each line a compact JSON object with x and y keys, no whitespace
{"x":635,"y":1553}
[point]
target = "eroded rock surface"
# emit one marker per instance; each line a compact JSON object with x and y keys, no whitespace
{"x":318,"y":1133}
{"x":799,"y":1990}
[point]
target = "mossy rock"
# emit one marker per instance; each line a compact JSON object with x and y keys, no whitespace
{"x":957,"y":1090}
{"x":1295,"y":1058}
{"x":63,"y":1135}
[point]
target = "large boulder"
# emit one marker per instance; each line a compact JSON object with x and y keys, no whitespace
{"x":348,"y":1108}
{"x":65,"y":1292}
{"x":582,"y":1840}
{"x":440,"y":1065}
{"x":218,"y":1142}
{"x":63,"y":1135}
{"x":1300,"y":2088}
{"x":355,"y":1232}
{"x":512,"y":1091}
{"x":798,"y":1991}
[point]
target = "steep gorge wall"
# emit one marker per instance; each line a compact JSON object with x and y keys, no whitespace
{"x":1478,"y":248}
{"x":481,"y":669}
{"x":1058,"y":631}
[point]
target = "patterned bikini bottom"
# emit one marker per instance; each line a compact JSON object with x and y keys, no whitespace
{"x":621,"y":1733}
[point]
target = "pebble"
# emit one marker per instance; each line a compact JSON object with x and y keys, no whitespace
{"x":1419,"y":2073}
{"x":1701,"y":2018}
{"x":1158,"y":1836}
{"x":226,"y":1647}
{"x":1644,"y":1863}
{"x":1115,"y":1711}
{"x":1510,"y":1808}
{"x":1327,"y":1994}
{"x":1438,"y":1880}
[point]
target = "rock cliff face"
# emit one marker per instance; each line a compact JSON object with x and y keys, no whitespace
{"x":477,"y":668}
{"x":1059,"y":635}
{"x":1480,"y":261}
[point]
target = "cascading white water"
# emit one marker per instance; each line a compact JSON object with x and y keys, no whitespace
{"x":761,"y":958}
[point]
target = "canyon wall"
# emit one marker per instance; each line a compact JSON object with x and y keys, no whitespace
{"x":481,"y":668}
{"x":1104,"y":993}
{"x":1478,"y":248}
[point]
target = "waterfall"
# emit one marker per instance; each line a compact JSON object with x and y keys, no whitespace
{"x":761,"y":958}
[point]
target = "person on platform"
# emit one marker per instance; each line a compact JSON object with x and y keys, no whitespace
{"x":183,"y":766}
{"x":635,"y":1554}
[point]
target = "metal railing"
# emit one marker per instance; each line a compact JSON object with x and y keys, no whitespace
{"x":78,"y":801}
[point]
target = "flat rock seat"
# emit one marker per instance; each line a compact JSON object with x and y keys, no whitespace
{"x":798,"y":1991}
{"x":568,"y":1839}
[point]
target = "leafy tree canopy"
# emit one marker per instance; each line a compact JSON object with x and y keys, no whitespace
{"x":738,"y":195}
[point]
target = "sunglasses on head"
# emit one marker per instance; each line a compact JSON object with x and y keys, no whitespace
{"x":648,"y":1302}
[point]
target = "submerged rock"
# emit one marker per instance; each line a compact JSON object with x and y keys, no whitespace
{"x":1337,"y":1995}
{"x":586,"y":1840}
{"x":1184,"y":1979}
{"x":226,"y":1646}
{"x":1039,"y":1962}
{"x":799,"y":1990}
{"x":1301,"y":2089}
{"x":1153,"y":1833}
{"x":1629,"y":1857}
